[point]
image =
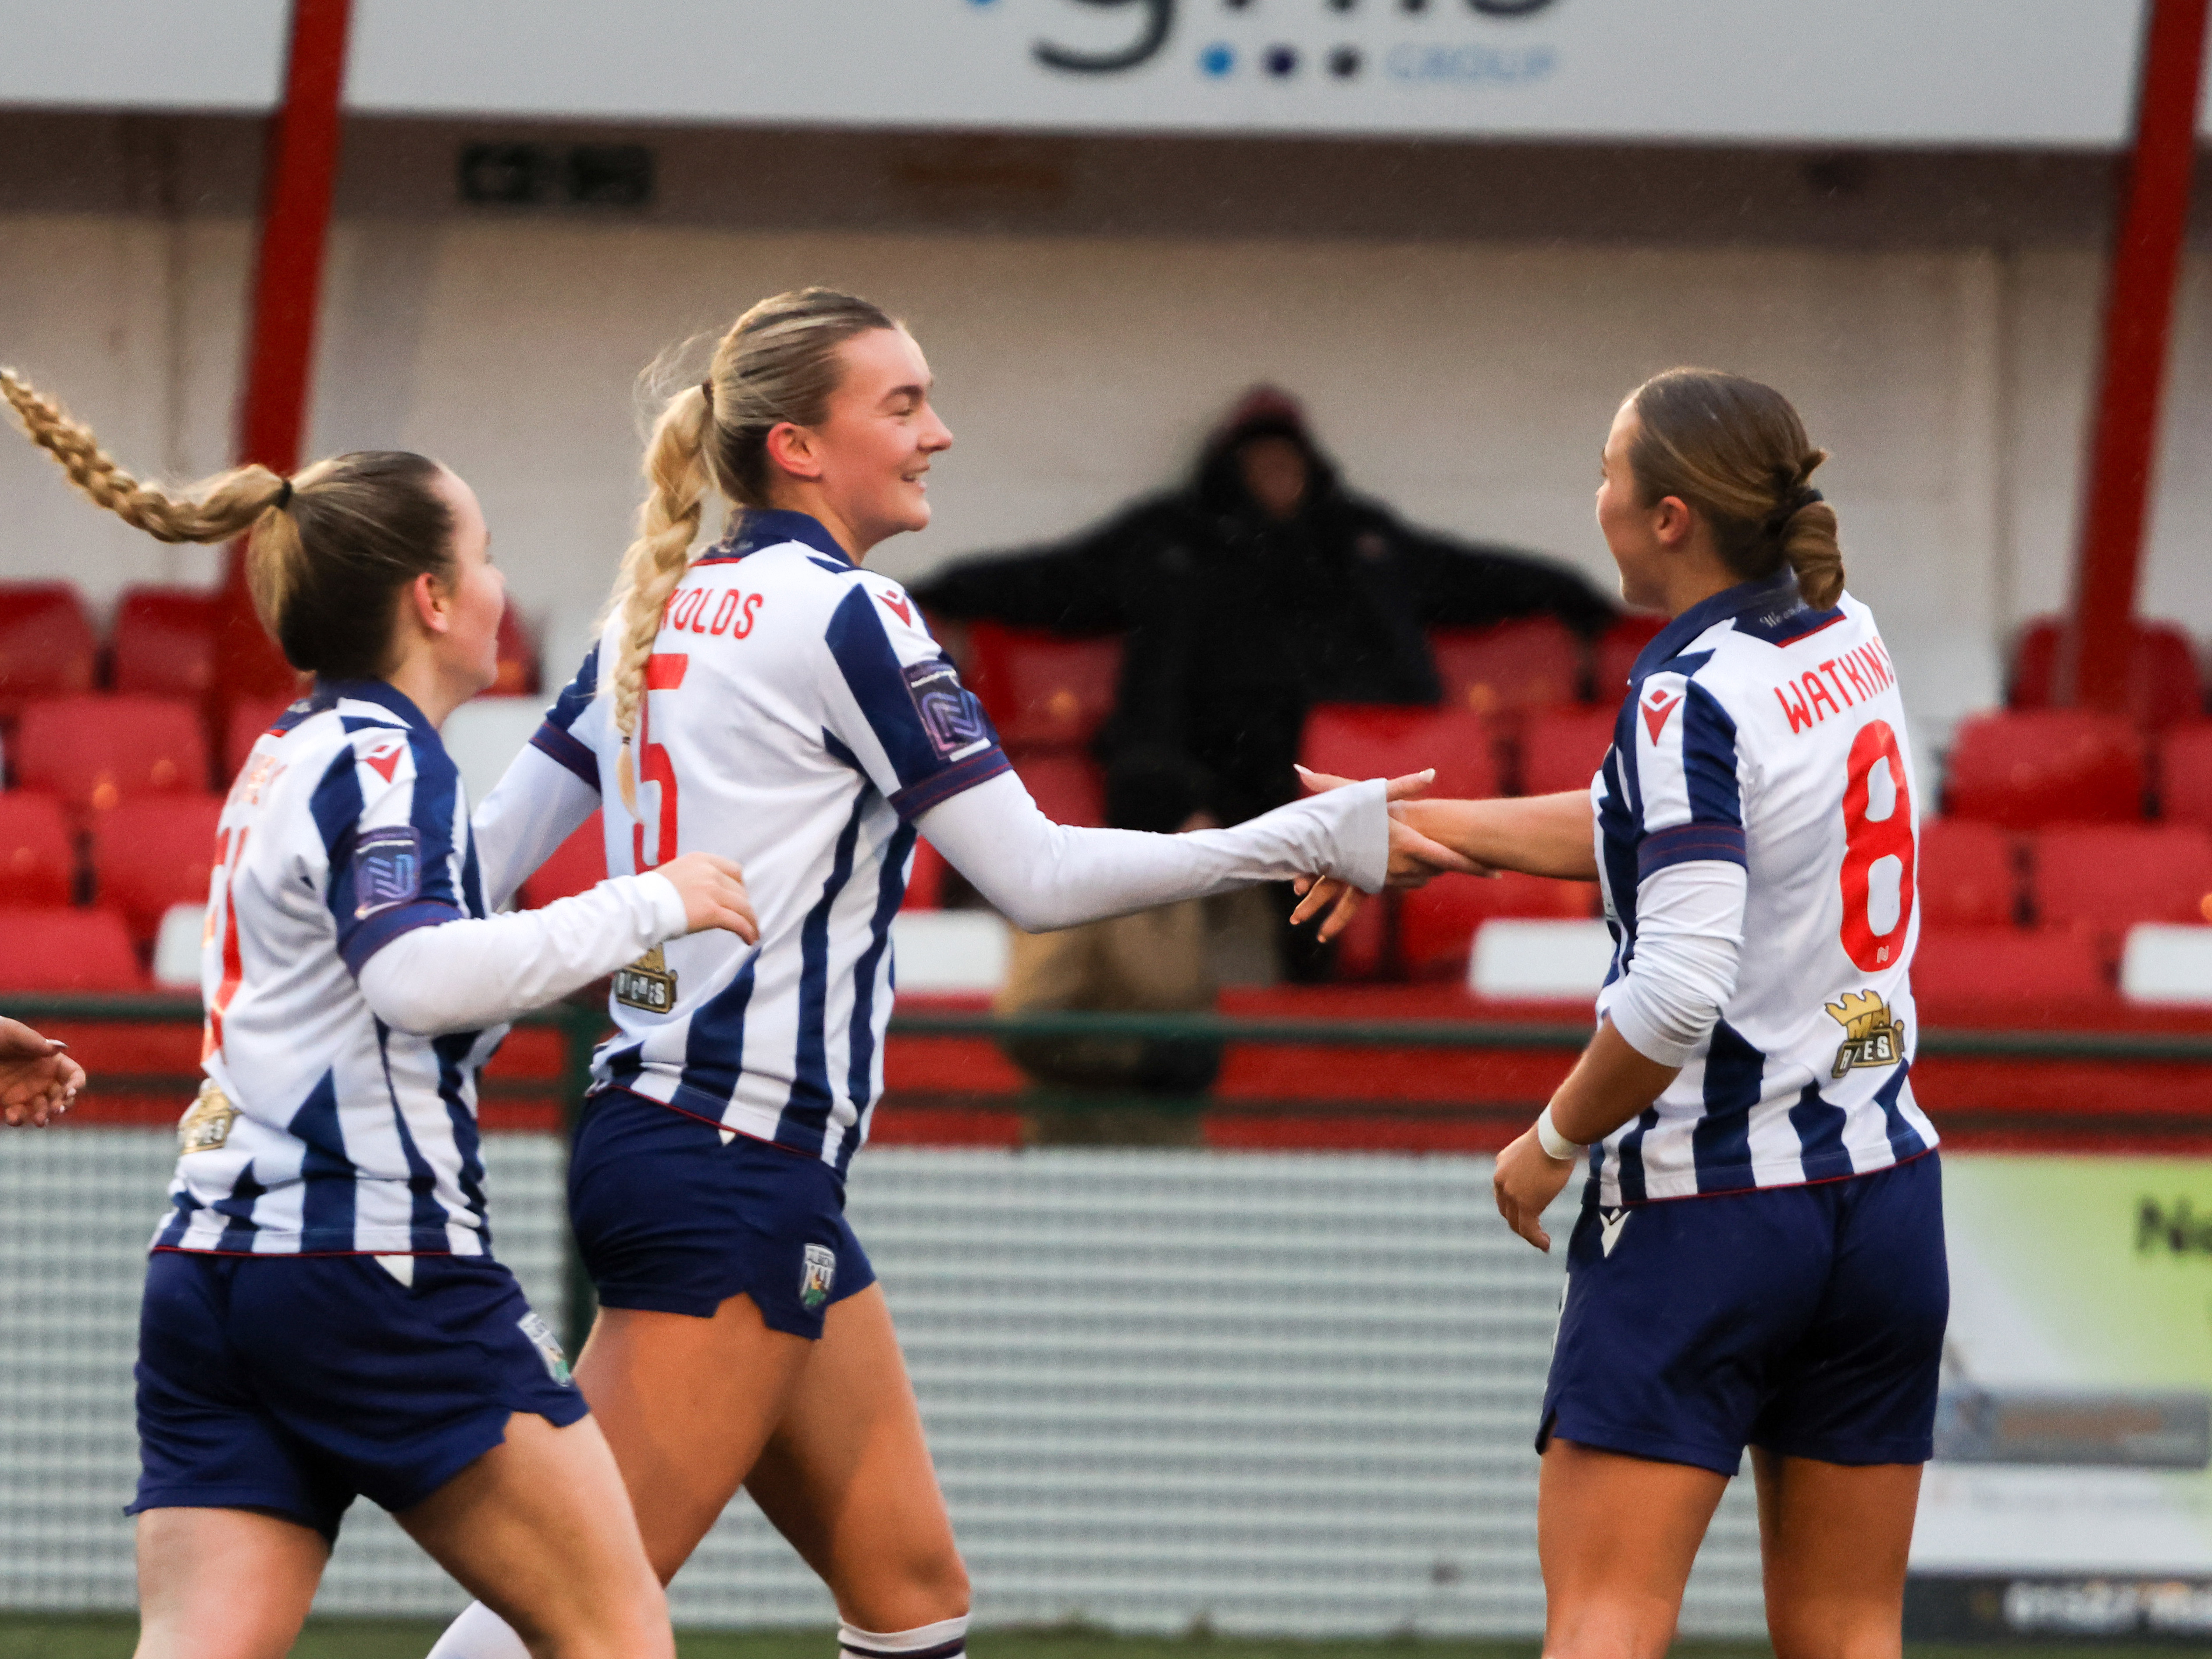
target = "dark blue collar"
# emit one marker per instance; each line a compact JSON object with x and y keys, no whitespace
{"x":382,"y":693}
{"x":1777,"y":594}
{"x":773,"y":527}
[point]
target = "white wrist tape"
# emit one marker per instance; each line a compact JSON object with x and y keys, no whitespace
{"x":1555,"y":1145}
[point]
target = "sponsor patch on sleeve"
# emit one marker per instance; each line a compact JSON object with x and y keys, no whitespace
{"x":956,"y":724}
{"x":387,"y":868}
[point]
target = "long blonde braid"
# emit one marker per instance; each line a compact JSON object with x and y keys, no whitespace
{"x":778,"y":364}
{"x":214,"y":510}
{"x":677,"y":468}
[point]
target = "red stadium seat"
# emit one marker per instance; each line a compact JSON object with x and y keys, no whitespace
{"x":518,"y":658}
{"x":1616,"y":654}
{"x":95,"y":751}
{"x":2027,"y":769}
{"x":1437,"y":923}
{"x":1374,"y":740}
{"x":2101,"y":879}
{"x":2184,"y":774}
{"x":38,"y":861}
{"x":2163,"y":686}
{"x":1041,"y":689}
{"x":164,"y":642}
{"x":1536,"y":663}
{"x":68,"y":949}
{"x":47,"y":647}
{"x":154,"y":852}
{"x":578,"y":865}
{"x":1066,"y":786}
{"x":1968,"y":874}
{"x":1562,"y":749}
{"x":248,"y":720}
{"x":2016,"y":975}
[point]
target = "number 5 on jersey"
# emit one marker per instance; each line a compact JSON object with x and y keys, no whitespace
{"x":663,"y":671}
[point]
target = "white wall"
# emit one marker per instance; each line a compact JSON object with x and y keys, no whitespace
{"x":1469,"y":383}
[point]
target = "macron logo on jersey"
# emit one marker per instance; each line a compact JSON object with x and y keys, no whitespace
{"x":384,"y":760}
{"x":1661,"y":703}
{"x":899,"y":607}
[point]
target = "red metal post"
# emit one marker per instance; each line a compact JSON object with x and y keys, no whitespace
{"x":302,"y":172}
{"x":2146,"y":241}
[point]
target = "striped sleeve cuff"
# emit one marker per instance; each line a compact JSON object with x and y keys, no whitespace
{"x":356,"y":946}
{"x":935,"y":790}
{"x":1689,"y":844}
{"x":572,"y":752}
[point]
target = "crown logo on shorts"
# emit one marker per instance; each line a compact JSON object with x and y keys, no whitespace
{"x":1872,"y":1034}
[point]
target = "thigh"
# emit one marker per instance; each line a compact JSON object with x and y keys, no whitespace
{"x":224,"y":1584}
{"x":847,"y":1478}
{"x":1617,"y":1535}
{"x":1834,"y":1539}
{"x":686,"y":1405}
{"x":539,"y":1530}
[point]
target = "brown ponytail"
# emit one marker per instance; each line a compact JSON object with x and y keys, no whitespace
{"x":778,"y":364}
{"x":1737,"y":452}
{"x":329,"y":550}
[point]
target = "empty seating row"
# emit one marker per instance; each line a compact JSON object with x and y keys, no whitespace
{"x":1045,"y":692}
{"x":2098,"y":879}
{"x":162,"y":645}
{"x":148,"y":853}
{"x":2027,"y":768}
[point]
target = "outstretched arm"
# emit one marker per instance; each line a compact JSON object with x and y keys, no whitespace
{"x":1040,"y":875}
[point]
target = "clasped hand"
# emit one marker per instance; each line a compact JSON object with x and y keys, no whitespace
{"x":38,"y":1079}
{"x":1415,"y":860}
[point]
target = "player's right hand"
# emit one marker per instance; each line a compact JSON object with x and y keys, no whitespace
{"x":38,"y":1079}
{"x":1414,"y":858}
{"x":714,"y":892}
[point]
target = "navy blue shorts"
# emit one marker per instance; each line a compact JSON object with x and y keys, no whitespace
{"x":670,"y":1218}
{"x":1807,"y":1319}
{"x":292,"y":1383}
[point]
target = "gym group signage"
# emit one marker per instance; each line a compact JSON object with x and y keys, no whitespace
{"x":1965,"y":72}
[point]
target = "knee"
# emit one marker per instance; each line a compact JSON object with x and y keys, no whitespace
{"x":1612,"y":1630}
{"x":942,"y":1582}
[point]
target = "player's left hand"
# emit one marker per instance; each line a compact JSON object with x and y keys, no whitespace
{"x":1526,"y":1180}
{"x":1415,"y":860}
{"x":38,"y":1079}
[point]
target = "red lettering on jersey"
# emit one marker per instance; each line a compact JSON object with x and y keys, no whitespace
{"x":1853,"y":673}
{"x":1829,"y":669}
{"x":686,"y":613}
{"x":1801,"y":717}
{"x":1655,"y":711}
{"x":663,"y":671}
{"x":385,"y":761}
{"x":1816,"y":694}
{"x":1889,"y":668}
{"x":745,"y":623}
{"x":898,"y":608}
{"x":724,"y":612}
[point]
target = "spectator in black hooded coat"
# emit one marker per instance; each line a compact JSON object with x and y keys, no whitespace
{"x":1261,"y":588}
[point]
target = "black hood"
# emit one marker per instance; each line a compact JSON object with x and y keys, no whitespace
{"x":1262,"y":412}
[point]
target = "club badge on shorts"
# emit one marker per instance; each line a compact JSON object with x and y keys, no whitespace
{"x":816,"y":1276}
{"x":548,"y":1348}
{"x":1872,"y":1034}
{"x":647,"y":984}
{"x":206,"y":1123}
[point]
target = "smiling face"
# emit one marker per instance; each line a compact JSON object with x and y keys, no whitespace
{"x":862,"y":469}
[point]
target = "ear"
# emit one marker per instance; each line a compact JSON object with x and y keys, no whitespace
{"x":1673,"y":520}
{"x":793,"y":449}
{"x":430,"y":604}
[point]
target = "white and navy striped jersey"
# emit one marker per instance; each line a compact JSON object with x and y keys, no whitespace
{"x":1761,"y":733}
{"x":798,"y":718}
{"x":319,"y":1129}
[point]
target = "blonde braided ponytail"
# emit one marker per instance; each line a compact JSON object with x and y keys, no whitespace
{"x":677,"y":468}
{"x":214,"y":510}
